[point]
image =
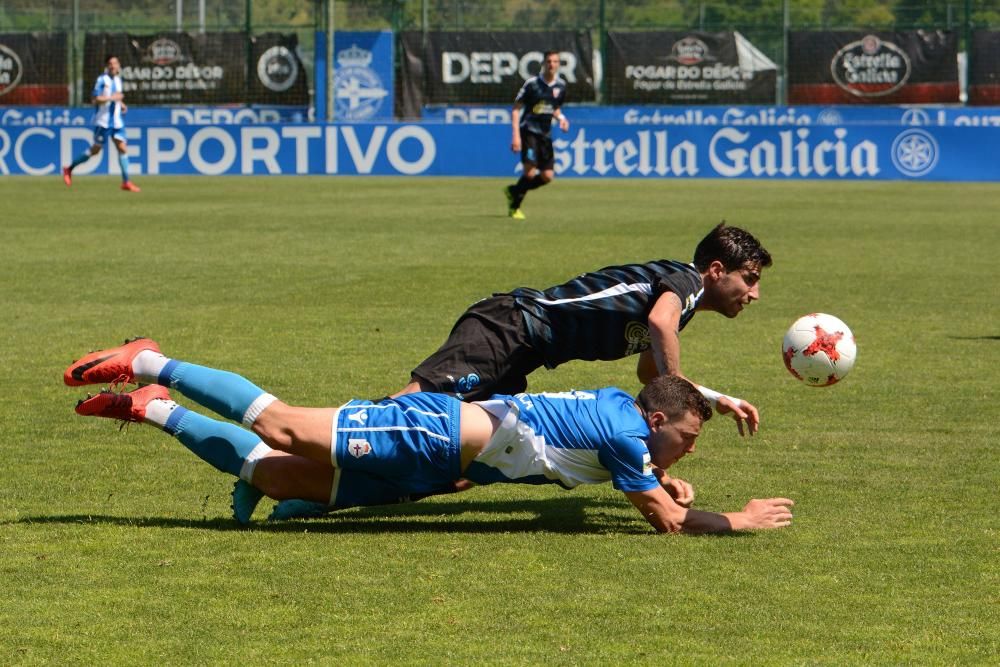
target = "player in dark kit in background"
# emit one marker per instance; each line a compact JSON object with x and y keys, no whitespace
{"x":540,"y":97}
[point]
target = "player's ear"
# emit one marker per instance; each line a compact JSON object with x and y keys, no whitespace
{"x":716,"y":269}
{"x":656,"y":420}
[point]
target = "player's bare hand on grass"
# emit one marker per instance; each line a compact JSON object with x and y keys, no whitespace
{"x":682,"y":492}
{"x":768,"y":513}
{"x":742,"y":411}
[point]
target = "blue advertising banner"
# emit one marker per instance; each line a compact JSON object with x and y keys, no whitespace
{"x":193,"y":115}
{"x":737,"y":115}
{"x":860,"y":152}
{"x":363,"y":75}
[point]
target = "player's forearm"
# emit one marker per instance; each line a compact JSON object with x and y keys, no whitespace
{"x":666,"y":350}
{"x":699,"y":522}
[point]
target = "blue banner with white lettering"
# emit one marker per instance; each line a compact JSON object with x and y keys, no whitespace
{"x":736,"y":115}
{"x":179,"y":115}
{"x":858,"y":152}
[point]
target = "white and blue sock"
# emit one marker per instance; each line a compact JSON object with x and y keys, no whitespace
{"x":228,"y":394}
{"x":226,"y":447}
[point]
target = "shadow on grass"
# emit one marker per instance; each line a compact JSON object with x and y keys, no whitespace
{"x":974,"y":337}
{"x":576,"y":515}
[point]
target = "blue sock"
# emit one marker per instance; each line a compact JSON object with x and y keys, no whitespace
{"x":83,"y":157}
{"x":224,"y":446}
{"x":222,"y":392}
{"x":123,"y":163}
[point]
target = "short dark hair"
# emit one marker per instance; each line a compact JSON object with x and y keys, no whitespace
{"x":734,"y":247}
{"x":108,"y":57}
{"x":551,"y":52}
{"x":673,"y":396}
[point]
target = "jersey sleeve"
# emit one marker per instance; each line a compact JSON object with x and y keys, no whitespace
{"x":684,"y":284}
{"x":627,"y":458}
{"x":524,"y":95}
{"x":101,"y":86}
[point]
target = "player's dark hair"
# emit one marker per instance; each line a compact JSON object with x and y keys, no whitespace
{"x":108,"y":57}
{"x":550,"y":52}
{"x":673,"y":396}
{"x":734,"y":247}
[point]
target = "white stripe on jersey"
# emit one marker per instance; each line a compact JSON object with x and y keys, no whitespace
{"x":383,"y":407}
{"x":617,"y":290}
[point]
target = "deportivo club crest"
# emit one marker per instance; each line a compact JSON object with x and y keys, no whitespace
{"x":359,"y":90}
{"x":358,"y":447}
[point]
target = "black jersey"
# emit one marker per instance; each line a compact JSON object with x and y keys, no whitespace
{"x":605,"y":314}
{"x":540,"y":100}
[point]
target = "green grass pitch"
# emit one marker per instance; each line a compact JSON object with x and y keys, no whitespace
{"x":117,"y":547}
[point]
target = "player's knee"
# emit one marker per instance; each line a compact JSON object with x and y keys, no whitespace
{"x":95,"y":149}
{"x":547,"y":176}
{"x":275,"y":429}
{"x":530,"y":172}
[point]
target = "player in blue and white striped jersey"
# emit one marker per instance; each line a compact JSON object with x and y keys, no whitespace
{"x":606,"y":314}
{"x":373,"y":453}
{"x":109,"y":106}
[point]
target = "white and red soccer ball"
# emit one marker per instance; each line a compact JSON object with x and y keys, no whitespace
{"x":819,"y":349}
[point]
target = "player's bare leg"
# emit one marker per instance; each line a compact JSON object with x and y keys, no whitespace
{"x":306,"y":432}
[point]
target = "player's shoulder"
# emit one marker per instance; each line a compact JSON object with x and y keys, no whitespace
{"x":531,"y":82}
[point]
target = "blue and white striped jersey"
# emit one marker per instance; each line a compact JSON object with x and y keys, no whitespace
{"x":108,"y":114}
{"x":605,"y":314}
{"x":567,"y":438}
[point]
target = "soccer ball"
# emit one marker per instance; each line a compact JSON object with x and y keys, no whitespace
{"x":819,"y":349}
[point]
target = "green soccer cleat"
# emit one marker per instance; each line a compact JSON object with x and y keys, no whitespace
{"x":516,"y":213}
{"x":245,"y":500}
{"x":298,"y":509}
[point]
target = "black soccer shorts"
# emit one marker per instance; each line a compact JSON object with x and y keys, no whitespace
{"x":537,"y":150}
{"x":486,"y":353}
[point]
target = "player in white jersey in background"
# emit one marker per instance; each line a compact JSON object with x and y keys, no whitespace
{"x":109,"y":106}
{"x":375,"y":453}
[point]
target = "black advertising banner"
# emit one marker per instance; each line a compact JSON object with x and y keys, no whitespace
{"x":984,"y":68}
{"x":856,"y":67}
{"x":688,"y":68}
{"x":33,"y":68}
{"x":172,"y":67}
{"x":489,"y":67}
{"x":278,"y":75}
{"x":201,"y":68}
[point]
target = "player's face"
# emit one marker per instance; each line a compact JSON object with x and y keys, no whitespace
{"x":552,"y":63}
{"x":671,"y":440}
{"x":114,"y":67}
{"x":735,"y":290}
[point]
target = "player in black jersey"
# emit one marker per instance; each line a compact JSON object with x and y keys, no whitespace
{"x":607,"y":314}
{"x":541,"y":98}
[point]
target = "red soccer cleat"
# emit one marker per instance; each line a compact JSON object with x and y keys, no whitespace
{"x":113,"y":366}
{"x":130,"y":407}
{"x":67,"y":176}
{"x":130,"y":187}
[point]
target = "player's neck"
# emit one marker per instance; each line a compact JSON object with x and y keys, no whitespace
{"x":549,"y":77}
